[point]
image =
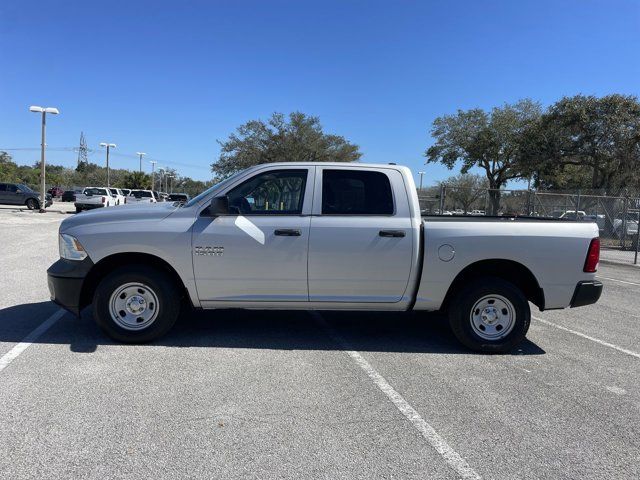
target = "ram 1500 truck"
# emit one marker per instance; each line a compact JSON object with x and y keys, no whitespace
{"x":323,"y":236}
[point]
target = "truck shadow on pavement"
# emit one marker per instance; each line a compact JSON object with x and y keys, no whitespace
{"x":261,"y":329}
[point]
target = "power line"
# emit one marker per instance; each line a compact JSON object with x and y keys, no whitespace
{"x":91,"y":151}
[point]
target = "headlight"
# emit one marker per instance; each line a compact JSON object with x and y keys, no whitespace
{"x":70,"y":248}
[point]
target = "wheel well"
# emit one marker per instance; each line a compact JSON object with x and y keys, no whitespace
{"x":508,"y":270}
{"x":112,"y":262}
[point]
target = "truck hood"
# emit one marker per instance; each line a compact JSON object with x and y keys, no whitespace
{"x":123,"y":213}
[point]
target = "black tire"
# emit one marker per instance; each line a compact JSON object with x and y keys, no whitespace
{"x":158,"y":281}
{"x":78,"y":209}
{"x":32,"y":204}
{"x":461,"y":309}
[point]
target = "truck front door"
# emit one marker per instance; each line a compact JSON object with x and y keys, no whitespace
{"x":257,"y":253}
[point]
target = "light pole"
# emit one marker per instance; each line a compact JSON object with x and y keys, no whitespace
{"x":171,"y":176}
{"x":153,"y":167}
{"x":140,"y":154}
{"x":43,"y":188}
{"x":161,"y":170}
{"x":108,"y":146}
{"x":421,"y":174}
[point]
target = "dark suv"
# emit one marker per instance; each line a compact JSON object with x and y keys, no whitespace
{"x":19,"y":194}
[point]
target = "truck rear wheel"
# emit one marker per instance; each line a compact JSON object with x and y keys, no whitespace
{"x":136,"y":304}
{"x":490,"y":315}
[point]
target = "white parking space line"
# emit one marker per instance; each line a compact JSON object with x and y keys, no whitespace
{"x":621,"y":281}
{"x":453,"y":458}
{"x":588,"y":337}
{"x":12,"y":354}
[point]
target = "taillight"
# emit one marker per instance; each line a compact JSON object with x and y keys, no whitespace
{"x":593,"y":256}
{"x":103,"y":199}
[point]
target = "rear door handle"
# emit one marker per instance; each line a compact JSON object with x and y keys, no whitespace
{"x":391,"y":233}
{"x":287,"y":232}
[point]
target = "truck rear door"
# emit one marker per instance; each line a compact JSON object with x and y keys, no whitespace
{"x":361,"y":240}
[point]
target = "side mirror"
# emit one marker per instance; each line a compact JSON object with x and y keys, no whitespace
{"x":219,"y":206}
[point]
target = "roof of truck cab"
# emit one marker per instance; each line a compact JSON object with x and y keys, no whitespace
{"x":331,"y":164}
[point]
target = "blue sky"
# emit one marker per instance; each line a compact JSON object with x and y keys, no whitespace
{"x":170,"y":78}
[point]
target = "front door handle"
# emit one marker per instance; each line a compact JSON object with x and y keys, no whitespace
{"x":287,"y":232}
{"x":391,"y":233}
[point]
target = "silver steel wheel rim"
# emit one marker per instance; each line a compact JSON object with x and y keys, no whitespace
{"x":133,"y":306}
{"x":493,"y":317}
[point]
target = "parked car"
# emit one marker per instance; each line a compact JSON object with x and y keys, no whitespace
{"x":94,"y":197}
{"x":20,"y":194}
{"x":126,"y":191}
{"x":142,"y":196}
{"x":55,"y":192}
{"x":178,"y":197}
{"x":626,"y":225}
{"x":70,"y":195}
{"x":329,"y":236}
{"x":118,"y":195}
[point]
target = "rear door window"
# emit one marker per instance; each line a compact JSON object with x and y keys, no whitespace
{"x":356,"y":192}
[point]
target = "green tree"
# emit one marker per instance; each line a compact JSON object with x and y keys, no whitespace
{"x":489,"y":140}
{"x":299,"y":138}
{"x":135,"y":180}
{"x":465,"y":189}
{"x":8,"y":168}
{"x":586,"y":142}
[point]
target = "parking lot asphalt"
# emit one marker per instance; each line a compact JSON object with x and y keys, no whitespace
{"x":252,"y":394}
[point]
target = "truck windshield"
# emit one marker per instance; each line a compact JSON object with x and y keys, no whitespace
{"x":199,"y":198}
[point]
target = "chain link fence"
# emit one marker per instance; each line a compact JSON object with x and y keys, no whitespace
{"x":617,"y":217}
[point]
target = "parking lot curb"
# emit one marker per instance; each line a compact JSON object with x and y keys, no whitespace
{"x":620,"y":264}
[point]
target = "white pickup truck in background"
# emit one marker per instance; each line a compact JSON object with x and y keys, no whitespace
{"x":142,"y":196}
{"x":94,"y":197}
{"x":325,"y":236}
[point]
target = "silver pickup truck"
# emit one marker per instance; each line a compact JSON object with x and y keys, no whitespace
{"x":323,"y":236}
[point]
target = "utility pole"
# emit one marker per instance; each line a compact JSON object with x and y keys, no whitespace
{"x":421,"y":174}
{"x":161,"y":170}
{"x":153,"y":167}
{"x":43,"y":187}
{"x":141,"y":154}
{"x":108,"y":146}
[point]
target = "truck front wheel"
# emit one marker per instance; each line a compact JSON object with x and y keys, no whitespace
{"x":490,"y":315}
{"x":136,"y":304}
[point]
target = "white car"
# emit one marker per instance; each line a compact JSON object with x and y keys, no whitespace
{"x":119,"y":195}
{"x":142,"y":196}
{"x":94,"y":197}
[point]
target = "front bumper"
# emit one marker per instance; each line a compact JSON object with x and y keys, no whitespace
{"x":65,"y":279}
{"x":586,"y":293}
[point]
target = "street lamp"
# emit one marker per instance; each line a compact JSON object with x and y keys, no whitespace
{"x":108,"y":146}
{"x":43,"y":111}
{"x":171,"y":176}
{"x":141,"y":154}
{"x":421,"y":174}
{"x":153,"y":167}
